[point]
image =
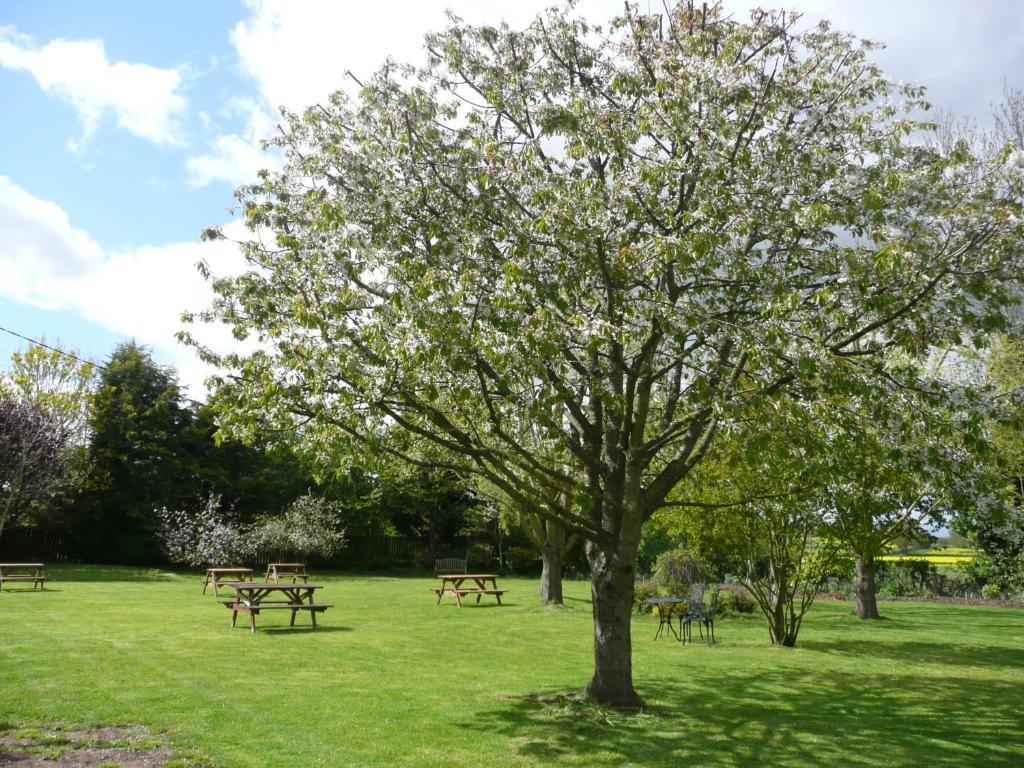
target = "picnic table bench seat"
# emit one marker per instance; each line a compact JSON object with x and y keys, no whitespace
{"x":270,"y":606}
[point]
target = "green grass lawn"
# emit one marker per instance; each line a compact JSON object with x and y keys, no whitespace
{"x":391,"y":679}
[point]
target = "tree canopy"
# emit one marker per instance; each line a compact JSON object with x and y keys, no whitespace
{"x":569,"y":254}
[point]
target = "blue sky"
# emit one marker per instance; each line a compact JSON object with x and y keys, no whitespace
{"x":127,"y":126}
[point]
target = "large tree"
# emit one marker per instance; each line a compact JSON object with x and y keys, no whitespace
{"x":137,"y":464}
{"x":615,"y":236}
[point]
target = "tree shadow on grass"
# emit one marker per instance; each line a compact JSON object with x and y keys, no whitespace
{"x":960,"y":654}
{"x":775,"y":718}
{"x":306,"y":630}
{"x":103,"y":573}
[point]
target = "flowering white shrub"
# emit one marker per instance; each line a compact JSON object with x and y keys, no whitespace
{"x":203,"y":536}
{"x":310,"y":526}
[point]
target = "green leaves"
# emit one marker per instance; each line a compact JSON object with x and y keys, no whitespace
{"x":560,"y":254}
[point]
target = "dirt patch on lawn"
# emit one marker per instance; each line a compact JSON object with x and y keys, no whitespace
{"x":112,"y":747}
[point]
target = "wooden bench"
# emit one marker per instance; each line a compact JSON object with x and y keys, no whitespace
{"x":446,"y":565}
{"x":23,"y":572}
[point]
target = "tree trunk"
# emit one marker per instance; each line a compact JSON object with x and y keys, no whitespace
{"x":501,"y":550}
{"x":612,"y":591}
{"x":8,"y":502}
{"x":867,"y":606}
{"x":551,"y":575}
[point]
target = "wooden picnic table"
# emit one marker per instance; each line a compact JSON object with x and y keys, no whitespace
{"x":22,"y":572}
{"x":452,"y":584}
{"x":296,"y":570}
{"x":213,"y":576}
{"x":254,"y":596}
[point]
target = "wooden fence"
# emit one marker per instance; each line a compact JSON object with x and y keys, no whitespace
{"x":359,"y":553}
{"x":32,"y":544}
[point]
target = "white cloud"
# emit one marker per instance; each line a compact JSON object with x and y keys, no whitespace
{"x":961,"y":50}
{"x":236,"y":158}
{"x":145,"y":100}
{"x":39,"y":243}
{"x":139,"y":292}
{"x":298,"y":52}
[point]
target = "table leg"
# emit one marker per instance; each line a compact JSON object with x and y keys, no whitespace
{"x":252,"y":620}
{"x":312,"y":615}
{"x":234,"y":614}
{"x":292,"y":622}
{"x":206,"y":581}
{"x":672,"y":629}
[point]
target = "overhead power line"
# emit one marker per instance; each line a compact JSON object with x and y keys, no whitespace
{"x":53,"y":349}
{"x":73,"y":356}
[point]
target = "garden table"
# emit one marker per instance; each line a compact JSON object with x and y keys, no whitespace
{"x":213,"y":576}
{"x":252,"y":597}
{"x":296,"y":570}
{"x":668,"y":609}
{"x":452,"y":584}
{"x":22,"y":572}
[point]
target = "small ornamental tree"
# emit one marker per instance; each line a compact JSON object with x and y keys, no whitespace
{"x":998,"y":530}
{"x":763,"y":484}
{"x":34,"y":467}
{"x":613,"y":237}
{"x":56,"y":380}
{"x":201,"y":537}
{"x":310,"y":526}
{"x":887,"y":472}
